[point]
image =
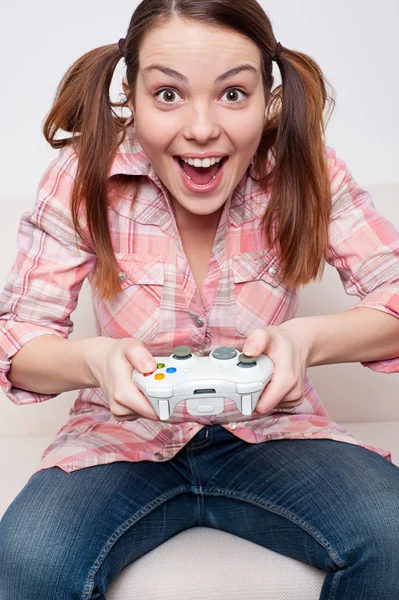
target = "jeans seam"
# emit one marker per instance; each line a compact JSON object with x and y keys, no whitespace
{"x":192,"y":461}
{"x":203,"y":443}
{"x":81,"y":520}
{"x":87,"y":590}
{"x":334,"y":585}
{"x":257,"y":500}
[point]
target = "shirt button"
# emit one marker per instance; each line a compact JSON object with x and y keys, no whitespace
{"x":122,"y":277}
{"x":233,"y":425}
{"x":199,"y":322}
{"x":308,"y":434}
{"x":273,"y":271}
{"x":158,"y":454}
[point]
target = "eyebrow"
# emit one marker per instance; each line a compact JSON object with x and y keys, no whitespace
{"x":183,"y":78}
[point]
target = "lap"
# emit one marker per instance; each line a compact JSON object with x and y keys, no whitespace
{"x":313,"y":500}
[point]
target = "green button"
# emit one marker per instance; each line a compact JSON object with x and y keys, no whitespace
{"x":160,"y":366}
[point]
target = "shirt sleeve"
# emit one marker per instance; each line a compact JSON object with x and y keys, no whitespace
{"x":42,"y":287}
{"x":364,"y":248}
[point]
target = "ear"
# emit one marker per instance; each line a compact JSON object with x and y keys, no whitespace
{"x":125,"y":87}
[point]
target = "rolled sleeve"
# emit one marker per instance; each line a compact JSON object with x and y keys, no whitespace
{"x":364,"y":248}
{"x":43,"y":285}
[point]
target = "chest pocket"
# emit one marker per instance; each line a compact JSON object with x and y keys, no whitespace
{"x":135,"y":311}
{"x":260,"y":293}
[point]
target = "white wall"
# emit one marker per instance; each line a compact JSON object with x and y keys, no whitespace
{"x":354,"y":41}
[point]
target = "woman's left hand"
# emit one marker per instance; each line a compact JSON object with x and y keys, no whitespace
{"x":289,"y":352}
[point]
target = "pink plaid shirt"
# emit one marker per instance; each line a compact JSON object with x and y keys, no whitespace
{"x":161,"y":306}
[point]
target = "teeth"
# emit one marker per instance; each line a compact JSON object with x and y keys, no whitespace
{"x":197,"y":162}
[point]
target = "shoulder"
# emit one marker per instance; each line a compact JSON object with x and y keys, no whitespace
{"x":52,"y":210}
{"x":60,"y":173}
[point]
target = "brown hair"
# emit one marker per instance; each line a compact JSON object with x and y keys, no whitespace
{"x":297,"y":216}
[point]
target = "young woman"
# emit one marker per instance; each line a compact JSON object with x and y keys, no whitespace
{"x":196,"y":219}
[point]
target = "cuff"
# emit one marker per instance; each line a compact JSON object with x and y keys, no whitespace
{"x":388,"y":302}
{"x":13,"y":336}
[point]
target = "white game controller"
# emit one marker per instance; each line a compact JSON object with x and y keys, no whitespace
{"x":204,"y":382}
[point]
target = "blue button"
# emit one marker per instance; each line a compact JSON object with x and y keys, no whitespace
{"x":171,"y":370}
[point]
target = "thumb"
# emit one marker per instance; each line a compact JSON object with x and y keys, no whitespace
{"x":255,"y":343}
{"x":140,"y":358}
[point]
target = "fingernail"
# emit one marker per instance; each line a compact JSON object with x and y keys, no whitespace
{"x":148,"y":365}
{"x":250,"y":349}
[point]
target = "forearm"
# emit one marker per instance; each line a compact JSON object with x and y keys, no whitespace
{"x":359,"y":335}
{"x":49,"y":364}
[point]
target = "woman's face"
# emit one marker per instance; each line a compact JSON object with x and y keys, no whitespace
{"x":188,"y":105}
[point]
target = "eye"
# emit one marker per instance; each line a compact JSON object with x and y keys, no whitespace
{"x":233,"y":91}
{"x":168,"y":95}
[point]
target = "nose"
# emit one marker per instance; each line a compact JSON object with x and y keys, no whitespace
{"x":202,"y":125}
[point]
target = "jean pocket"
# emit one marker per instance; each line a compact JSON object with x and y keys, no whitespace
{"x":135,"y":311}
{"x":260,"y":292}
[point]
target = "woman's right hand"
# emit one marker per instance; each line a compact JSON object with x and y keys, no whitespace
{"x":111,"y":363}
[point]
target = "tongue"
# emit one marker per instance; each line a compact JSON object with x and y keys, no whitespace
{"x":201,"y":175}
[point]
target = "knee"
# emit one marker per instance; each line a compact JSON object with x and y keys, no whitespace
{"x":34,"y":562}
{"x":376,"y":531}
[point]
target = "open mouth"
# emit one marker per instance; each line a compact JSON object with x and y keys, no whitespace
{"x":201,"y":176}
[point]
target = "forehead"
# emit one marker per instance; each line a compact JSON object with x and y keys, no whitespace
{"x":186,"y":42}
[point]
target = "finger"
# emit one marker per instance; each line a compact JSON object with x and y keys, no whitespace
{"x":276,"y":390}
{"x":290,"y":404}
{"x":129,"y":397}
{"x":295,"y":395}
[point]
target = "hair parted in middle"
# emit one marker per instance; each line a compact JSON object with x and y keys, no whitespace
{"x":297,"y":216}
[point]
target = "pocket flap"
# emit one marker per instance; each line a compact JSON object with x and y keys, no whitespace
{"x":141,"y":270}
{"x":260,"y":264}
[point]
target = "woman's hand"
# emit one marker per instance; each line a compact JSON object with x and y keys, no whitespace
{"x":111,"y":362}
{"x":289,"y":352}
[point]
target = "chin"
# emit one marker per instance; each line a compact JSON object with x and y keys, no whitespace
{"x":202,"y":207}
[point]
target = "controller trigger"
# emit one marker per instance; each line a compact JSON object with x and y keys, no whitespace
{"x":163,"y":409}
{"x":246,"y":405}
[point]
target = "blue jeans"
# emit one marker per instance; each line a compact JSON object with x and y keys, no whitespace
{"x":331,"y":504}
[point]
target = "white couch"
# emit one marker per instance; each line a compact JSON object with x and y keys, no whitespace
{"x":244,"y":569}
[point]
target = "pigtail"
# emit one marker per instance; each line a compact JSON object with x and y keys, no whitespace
{"x":298,"y":215}
{"x":83,"y":108}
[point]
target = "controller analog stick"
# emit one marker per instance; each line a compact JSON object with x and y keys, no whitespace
{"x":182,"y":352}
{"x":246,"y":362}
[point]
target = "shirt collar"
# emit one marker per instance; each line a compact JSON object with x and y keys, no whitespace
{"x":130,"y":158}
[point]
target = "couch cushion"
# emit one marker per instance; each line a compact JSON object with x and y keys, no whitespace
{"x":202,"y":563}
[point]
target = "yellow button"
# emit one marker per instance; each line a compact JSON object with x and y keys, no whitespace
{"x":159,"y":376}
